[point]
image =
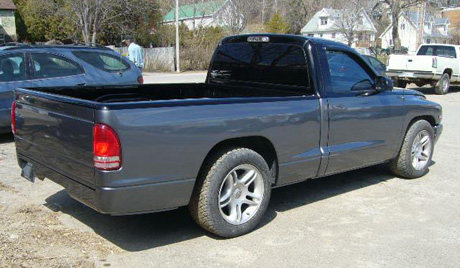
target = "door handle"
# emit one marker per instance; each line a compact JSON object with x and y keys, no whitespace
{"x":409,"y":60}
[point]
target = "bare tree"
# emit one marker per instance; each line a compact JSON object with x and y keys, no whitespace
{"x":349,"y":21}
{"x":235,"y":17}
{"x":90,"y":15}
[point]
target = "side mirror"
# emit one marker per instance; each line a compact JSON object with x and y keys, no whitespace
{"x":383,"y":83}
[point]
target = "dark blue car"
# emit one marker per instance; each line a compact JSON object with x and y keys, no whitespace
{"x":51,"y":66}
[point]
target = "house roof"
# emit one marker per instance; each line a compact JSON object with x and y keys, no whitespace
{"x":313,"y":23}
{"x":198,"y":10}
{"x":7,"y":5}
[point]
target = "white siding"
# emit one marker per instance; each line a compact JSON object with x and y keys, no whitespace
{"x":407,"y":34}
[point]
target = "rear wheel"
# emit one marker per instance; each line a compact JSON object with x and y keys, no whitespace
{"x":415,"y":155}
{"x":443,"y":85}
{"x":233,"y":194}
{"x":401,"y":84}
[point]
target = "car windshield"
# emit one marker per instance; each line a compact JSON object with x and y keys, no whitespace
{"x":103,"y":61}
{"x":444,"y":51}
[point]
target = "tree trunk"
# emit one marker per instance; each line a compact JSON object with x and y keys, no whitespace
{"x":94,"y":37}
{"x":395,"y":30}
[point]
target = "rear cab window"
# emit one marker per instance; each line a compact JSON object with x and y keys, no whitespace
{"x":441,"y":51}
{"x":103,"y":61}
{"x":273,"y":65}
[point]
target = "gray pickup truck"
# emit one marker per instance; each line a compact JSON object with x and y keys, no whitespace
{"x":274,"y":110}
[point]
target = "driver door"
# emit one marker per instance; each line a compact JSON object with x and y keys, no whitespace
{"x":365,"y":127}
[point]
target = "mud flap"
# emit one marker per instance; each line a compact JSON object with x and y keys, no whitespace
{"x":28,"y":172}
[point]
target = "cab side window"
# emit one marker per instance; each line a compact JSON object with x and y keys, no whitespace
{"x":49,"y":65}
{"x":346,"y":73}
{"x":12,"y":68}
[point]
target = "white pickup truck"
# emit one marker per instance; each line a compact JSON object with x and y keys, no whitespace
{"x":438,"y":65}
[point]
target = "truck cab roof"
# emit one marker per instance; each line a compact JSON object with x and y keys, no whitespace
{"x":283,"y":38}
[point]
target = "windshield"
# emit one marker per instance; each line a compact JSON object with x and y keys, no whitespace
{"x":443,"y":51}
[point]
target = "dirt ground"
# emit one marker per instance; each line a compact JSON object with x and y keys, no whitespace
{"x":364,"y":218}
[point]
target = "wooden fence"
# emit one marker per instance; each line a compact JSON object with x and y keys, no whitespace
{"x":159,"y":59}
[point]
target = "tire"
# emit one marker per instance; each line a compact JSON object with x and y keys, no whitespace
{"x":443,"y":85}
{"x":216,"y":183}
{"x":404,"y":164}
{"x":401,"y":83}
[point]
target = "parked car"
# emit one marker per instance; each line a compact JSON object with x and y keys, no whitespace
{"x":379,"y":66}
{"x":438,"y":65}
{"x":45,"y":66}
{"x":272,"y":112}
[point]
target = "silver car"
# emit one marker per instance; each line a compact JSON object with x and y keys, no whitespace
{"x":51,"y":66}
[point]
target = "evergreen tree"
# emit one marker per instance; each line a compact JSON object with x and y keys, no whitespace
{"x":277,"y":25}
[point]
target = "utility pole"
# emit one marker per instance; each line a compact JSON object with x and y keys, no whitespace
{"x":422,"y":10}
{"x":263,"y":11}
{"x":177,"y":38}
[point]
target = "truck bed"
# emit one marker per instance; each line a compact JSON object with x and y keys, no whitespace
{"x":160,"y":128}
{"x":164,"y":92}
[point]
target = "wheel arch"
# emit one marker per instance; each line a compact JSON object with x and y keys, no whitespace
{"x":428,"y":118}
{"x":259,"y":144}
{"x":448,"y":71}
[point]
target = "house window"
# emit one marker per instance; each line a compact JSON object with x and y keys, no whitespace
{"x":333,"y":35}
{"x":311,"y":35}
{"x":323,"y":20}
{"x":403,"y":26}
{"x":2,"y":38}
{"x":360,"y":36}
{"x":391,"y":42}
{"x":321,"y":35}
{"x":428,"y":41}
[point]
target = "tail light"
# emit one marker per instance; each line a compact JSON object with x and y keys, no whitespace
{"x":140,"y":79}
{"x":106,"y":147}
{"x":435,"y":62}
{"x":13,"y":117}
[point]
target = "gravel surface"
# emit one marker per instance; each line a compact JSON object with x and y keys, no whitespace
{"x":364,"y":218}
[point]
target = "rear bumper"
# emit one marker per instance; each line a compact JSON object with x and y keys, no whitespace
{"x":437,"y":132}
{"x":136,"y":199}
{"x":412,"y":75}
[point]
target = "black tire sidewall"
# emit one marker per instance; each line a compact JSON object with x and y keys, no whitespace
{"x":228,"y":162}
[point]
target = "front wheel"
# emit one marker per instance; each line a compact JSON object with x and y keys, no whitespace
{"x":233,"y":193}
{"x":443,"y":85}
{"x":416,"y":152}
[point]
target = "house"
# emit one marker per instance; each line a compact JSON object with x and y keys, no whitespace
{"x":453,"y":15}
{"x":325,"y":24}
{"x":435,"y":30}
{"x":7,"y":21}
{"x":205,"y":14}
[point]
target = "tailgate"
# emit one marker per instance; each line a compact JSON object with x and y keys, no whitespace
{"x":420,"y":63}
{"x":56,"y":133}
{"x":397,"y":62}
